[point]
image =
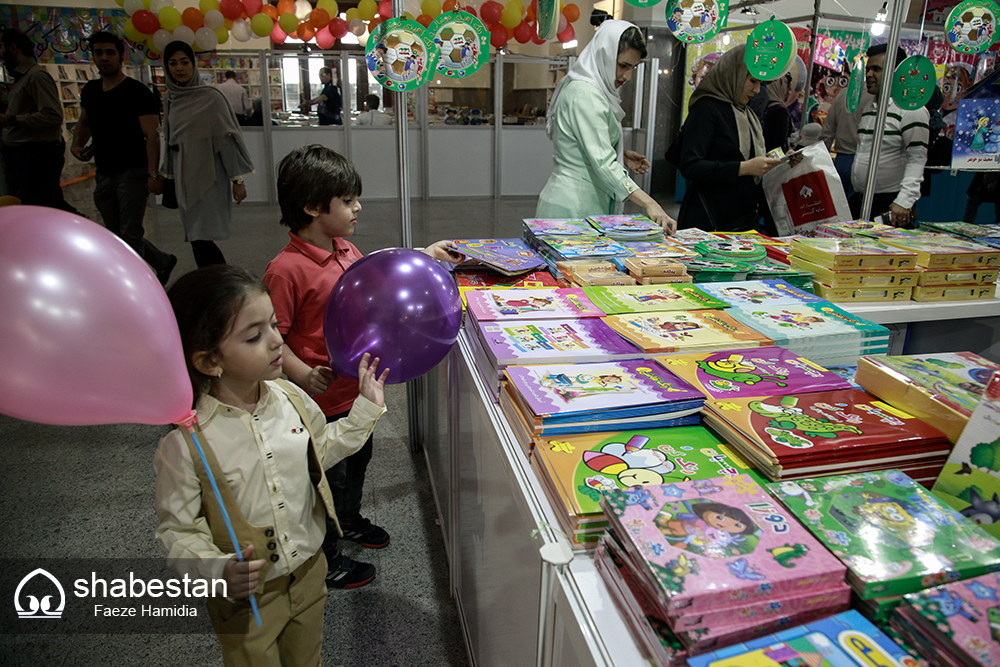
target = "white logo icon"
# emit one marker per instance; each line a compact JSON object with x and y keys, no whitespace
{"x":39,"y":608}
{"x":806,"y":192}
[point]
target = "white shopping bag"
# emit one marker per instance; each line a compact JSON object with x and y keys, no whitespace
{"x":806,"y":195}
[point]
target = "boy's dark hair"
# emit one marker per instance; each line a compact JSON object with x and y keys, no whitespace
{"x":879,"y":49}
{"x":205,"y":303}
{"x":17,"y":38}
{"x":632,"y":39}
{"x":230,"y":74}
{"x":372,"y":101}
{"x":105,"y":37}
{"x":311,"y":176}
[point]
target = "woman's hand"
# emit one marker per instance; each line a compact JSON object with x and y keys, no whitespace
{"x":656,"y":213}
{"x":371,"y":388}
{"x":636,"y":162}
{"x":445,"y":251}
{"x":758,"y":166}
{"x":239,"y":192}
{"x":242,"y":577}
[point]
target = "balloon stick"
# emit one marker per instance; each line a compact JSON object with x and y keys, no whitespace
{"x":189,"y":423}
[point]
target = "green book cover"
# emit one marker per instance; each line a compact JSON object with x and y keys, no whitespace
{"x":894,"y":536}
{"x":652,"y":298}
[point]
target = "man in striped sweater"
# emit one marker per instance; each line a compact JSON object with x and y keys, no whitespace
{"x":902,"y":154}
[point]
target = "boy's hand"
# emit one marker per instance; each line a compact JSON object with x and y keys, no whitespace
{"x":242,"y":578}
{"x":445,"y":251}
{"x":318,"y":380}
{"x":371,"y":388}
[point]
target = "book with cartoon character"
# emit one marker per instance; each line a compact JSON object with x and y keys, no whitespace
{"x":530,"y":304}
{"x":788,"y":436}
{"x":510,"y":257}
{"x":559,"y":227}
{"x":579,"y":247}
{"x":738,"y":544}
{"x":942,"y":389}
{"x":576,"y":469}
{"x":652,"y":298}
{"x":943,"y":251}
{"x":845,"y":640}
{"x":755,"y":293}
{"x":970,"y":480}
{"x":894,"y":536}
{"x":553,"y":341}
{"x":751,"y":372}
{"x":594,"y":397}
{"x":853,"y":253}
{"x":663,"y":248}
{"x":960,"y":620}
{"x":685,"y":331}
{"x":626,"y":227}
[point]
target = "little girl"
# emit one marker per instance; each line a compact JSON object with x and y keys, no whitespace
{"x":267,"y":444}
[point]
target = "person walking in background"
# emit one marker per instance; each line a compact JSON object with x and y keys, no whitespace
{"x":840,"y":132}
{"x":237,"y":96}
{"x":902,"y":155}
{"x":330,"y":100}
{"x":373,"y":116}
{"x":722,"y":150}
{"x":206,"y":156}
{"x":585,"y":125}
{"x":122,"y":116}
{"x":33,"y":146}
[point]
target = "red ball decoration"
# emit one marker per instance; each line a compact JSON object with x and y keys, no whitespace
{"x":231,"y":9}
{"x":567,"y":35}
{"x":338,"y":28}
{"x":145,"y":21}
{"x":470,"y":10}
{"x":490,"y":12}
{"x":522,"y":33}
{"x":498,"y":35}
{"x":385,"y":9}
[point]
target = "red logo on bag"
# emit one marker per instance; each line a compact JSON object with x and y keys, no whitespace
{"x":808,"y":198}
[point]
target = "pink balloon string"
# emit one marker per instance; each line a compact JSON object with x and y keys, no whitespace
{"x":189,"y":423}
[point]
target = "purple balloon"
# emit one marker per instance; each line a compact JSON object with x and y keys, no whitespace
{"x":401,"y":306}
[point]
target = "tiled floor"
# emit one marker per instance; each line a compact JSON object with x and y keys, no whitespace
{"x":87,"y":492}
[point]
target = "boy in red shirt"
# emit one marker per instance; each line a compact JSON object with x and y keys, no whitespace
{"x":318,"y":192}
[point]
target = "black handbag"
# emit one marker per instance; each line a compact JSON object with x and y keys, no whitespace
{"x":169,"y":199}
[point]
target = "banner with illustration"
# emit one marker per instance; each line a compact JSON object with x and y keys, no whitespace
{"x":977,"y":135}
{"x":702,"y":57}
{"x":60,"y":33}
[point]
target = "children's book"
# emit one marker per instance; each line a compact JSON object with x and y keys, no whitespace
{"x":846,"y":230}
{"x":863,"y":294}
{"x":760,"y":293}
{"x":626,"y":227}
{"x":751,"y":372}
{"x":942,"y":251}
{"x":942,"y":389}
{"x":738,"y":250}
{"x":823,"y":432}
{"x":685,"y":331}
{"x":553,"y":341}
{"x":959,"y":621}
{"x":771,"y":269}
{"x":662,"y":248}
{"x":559,"y":227}
{"x":858,"y":278}
{"x":854,"y":253}
{"x":805,"y":323}
{"x":692,"y":236}
{"x":489,"y":305}
{"x":707,"y":270}
{"x":894,"y":536}
{"x":576,"y":393}
{"x":580,"y":247}
{"x":508,"y":256}
{"x":967,"y":229}
{"x":485,"y":279}
{"x":707,"y":543}
{"x":652,"y":298}
{"x":970,"y":481}
{"x":954,"y":292}
{"x":845,"y":640}
{"x":955,"y":277}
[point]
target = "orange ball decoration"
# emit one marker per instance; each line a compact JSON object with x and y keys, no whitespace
{"x":571,"y":12}
{"x":286,"y":7}
{"x":269,"y":10}
{"x":192,"y":18}
{"x":424,"y":20}
{"x":306,"y":31}
{"x":449,"y":6}
{"x":320,"y":18}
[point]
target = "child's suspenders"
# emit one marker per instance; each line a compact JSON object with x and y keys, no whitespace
{"x":262,"y":537}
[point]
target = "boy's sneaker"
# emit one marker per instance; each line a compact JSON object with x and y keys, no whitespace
{"x":348,"y":573}
{"x":364,"y":532}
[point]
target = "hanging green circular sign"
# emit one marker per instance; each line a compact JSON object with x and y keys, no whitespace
{"x":970,"y":26}
{"x":401,"y":54}
{"x":771,"y":49}
{"x":695,"y":21}
{"x":913,"y":82}
{"x":855,"y":85}
{"x":547,"y":14}
{"x":462,"y":41}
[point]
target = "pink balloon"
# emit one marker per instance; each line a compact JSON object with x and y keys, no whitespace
{"x":251,"y":7}
{"x":324,"y":39}
{"x":278,"y":36}
{"x":89,"y":333}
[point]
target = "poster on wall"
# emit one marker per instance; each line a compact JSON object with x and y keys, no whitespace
{"x":60,"y":33}
{"x":977,"y":135}
{"x":702,"y":57}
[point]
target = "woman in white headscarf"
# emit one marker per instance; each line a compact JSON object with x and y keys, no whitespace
{"x":722,"y":154}
{"x":585,"y":125}
{"x":205,"y":156}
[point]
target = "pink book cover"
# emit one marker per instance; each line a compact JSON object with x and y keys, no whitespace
{"x":763,"y":611}
{"x":967,"y":613}
{"x":709,"y":543}
{"x":530,"y":304}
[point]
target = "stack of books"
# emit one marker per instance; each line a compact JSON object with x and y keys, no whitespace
{"x":498,"y":344}
{"x":511,"y":257}
{"x":721,"y":560}
{"x":958,"y":623}
{"x":692,"y":236}
{"x":770,"y":269}
{"x":652,"y":298}
{"x":587,"y":272}
{"x":819,"y":331}
{"x":793,"y":436}
{"x":576,"y":469}
{"x":734,"y":250}
{"x":667,"y":332}
{"x":776,"y":249}
{"x":477,"y":280}
{"x":754,"y":372}
{"x":952,"y":269}
{"x":529,"y":304}
{"x":846,"y":230}
{"x":561,"y":239}
{"x":668,"y":248}
{"x":753,"y":293}
{"x":627,"y":227}
{"x":967,"y":229}
{"x":845,"y":640}
{"x":566,"y":399}
{"x":893,"y":535}
{"x":942,"y":389}
{"x":872,"y":271}
{"x":654,"y":270}
{"x":707,"y":270}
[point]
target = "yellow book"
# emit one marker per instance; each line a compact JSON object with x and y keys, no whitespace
{"x":853,"y":253}
{"x":868,"y":293}
{"x":943,"y":251}
{"x":862,"y":278}
{"x":953,"y":292}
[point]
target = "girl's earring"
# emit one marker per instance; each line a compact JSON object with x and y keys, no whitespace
{"x":220,"y":375}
